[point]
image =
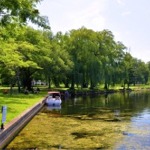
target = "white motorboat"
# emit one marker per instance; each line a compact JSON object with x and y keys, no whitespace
{"x":54,"y":98}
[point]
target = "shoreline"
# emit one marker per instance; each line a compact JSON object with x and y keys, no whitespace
{"x":87,"y":92}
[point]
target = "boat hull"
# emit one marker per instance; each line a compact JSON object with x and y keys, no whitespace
{"x":51,"y":102}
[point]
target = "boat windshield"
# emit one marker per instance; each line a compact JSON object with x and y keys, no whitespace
{"x":54,"y":95}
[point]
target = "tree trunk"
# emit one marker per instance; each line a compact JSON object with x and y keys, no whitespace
{"x":49,"y":82}
{"x":18,"y":82}
{"x":66,"y":83}
{"x":105,"y":86}
{"x":72,"y":82}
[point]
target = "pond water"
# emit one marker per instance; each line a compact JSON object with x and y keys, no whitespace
{"x":132,"y":108}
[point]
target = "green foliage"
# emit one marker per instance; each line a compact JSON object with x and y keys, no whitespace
{"x":22,"y":51}
{"x":82,"y":57}
{"x":20,"y":11}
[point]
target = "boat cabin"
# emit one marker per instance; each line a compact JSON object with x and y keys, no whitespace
{"x":54,"y":94}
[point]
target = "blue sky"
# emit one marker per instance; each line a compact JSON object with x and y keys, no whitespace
{"x":127,"y":19}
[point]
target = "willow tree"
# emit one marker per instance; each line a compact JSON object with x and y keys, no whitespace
{"x":139,"y":72}
{"x":118,"y":56}
{"x":83,"y":49}
{"x":107,"y":48}
{"x":127,"y":65}
{"x":148,"y":66}
{"x":61,"y":64}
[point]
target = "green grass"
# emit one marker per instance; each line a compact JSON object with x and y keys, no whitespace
{"x":18,"y":103}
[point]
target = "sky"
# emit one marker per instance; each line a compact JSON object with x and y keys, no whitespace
{"x":128,"y":20}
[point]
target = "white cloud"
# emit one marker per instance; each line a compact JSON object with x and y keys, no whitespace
{"x":117,"y":35}
{"x":126,"y":13}
{"x":75,"y":14}
{"x":143,"y":55}
{"x":120,"y":2}
{"x":91,"y":16}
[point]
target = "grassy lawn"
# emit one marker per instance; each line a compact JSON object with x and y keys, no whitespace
{"x":18,"y":103}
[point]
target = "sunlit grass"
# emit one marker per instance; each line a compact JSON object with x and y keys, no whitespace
{"x":17,"y":103}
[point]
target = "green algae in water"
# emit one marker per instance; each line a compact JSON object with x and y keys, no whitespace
{"x":52,"y":131}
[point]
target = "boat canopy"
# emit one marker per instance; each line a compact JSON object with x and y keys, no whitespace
{"x":54,"y":93}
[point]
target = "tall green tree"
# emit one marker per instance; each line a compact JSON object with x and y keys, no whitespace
{"x":20,"y":11}
{"x":36,"y":56}
{"x":61,"y":64}
{"x":107,"y":54}
{"x":24,"y":52}
{"x":83,"y":48}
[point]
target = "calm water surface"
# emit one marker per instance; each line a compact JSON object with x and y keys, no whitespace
{"x":137,"y":104}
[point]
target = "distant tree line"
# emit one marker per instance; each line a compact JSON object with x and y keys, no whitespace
{"x":79,"y":58}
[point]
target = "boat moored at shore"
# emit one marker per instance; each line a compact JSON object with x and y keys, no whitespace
{"x":54,"y":98}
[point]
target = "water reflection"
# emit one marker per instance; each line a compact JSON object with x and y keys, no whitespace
{"x":138,"y":104}
{"x":50,"y":108}
{"x":82,"y":105}
{"x":134,"y":102}
{"x":138,"y":134}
